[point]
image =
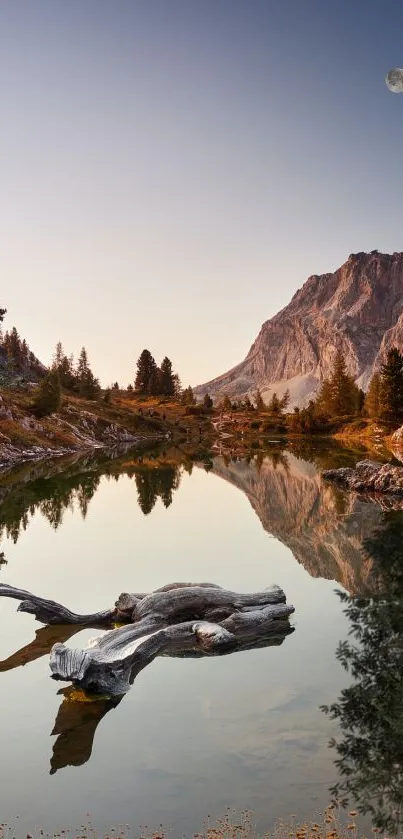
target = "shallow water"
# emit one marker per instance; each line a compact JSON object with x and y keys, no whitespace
{"x":192,"y":736}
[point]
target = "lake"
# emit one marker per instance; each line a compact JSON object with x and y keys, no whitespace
{"x":192,"y":736}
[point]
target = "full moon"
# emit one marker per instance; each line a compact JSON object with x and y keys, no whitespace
{"x":394,"y":80}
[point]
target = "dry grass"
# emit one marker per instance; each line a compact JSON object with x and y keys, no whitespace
{"x":330,"y":825}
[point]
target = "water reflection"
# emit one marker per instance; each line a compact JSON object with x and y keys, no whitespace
{"x":334,"y":535}
{"x":370,"y":711}
{"x":75,"y":726}
{"x":79,"y":715}
{"x":71,"y":483}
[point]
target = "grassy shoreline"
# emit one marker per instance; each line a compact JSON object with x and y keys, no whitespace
{"x":331,"y":823}
{"x":82,"y":425}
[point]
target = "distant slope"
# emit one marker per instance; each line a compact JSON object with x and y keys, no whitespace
{"x":358,"y":309}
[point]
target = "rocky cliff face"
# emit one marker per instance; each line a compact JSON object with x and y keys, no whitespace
{"x":358,"y":309}
{"x":324,"y":529}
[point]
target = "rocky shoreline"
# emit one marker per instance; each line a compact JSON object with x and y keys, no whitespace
{"x":369,"y":476}
{"x":77,"y":428}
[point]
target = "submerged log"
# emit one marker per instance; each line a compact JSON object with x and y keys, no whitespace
{"x":178,"y":619}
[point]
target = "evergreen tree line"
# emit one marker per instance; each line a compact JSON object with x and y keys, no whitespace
{"x":65,"y":374}
{"x":339,"y":396}
{"x":152,"y":380}
{"x":78,"y":377}
{"x":20,"y":357}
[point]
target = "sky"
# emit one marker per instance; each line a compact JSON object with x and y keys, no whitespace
{"x":172,"y":171}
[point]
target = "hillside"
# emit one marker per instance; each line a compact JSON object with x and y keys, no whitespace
{"x":82,"y":425}
{"x":358,"y":309}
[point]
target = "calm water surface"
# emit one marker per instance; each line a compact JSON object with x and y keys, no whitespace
{"x":192,"y":736}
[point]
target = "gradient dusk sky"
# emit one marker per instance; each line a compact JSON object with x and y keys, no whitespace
{"x":173,"y":170}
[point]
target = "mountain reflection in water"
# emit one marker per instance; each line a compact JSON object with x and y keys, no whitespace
{"x":335,"y":535}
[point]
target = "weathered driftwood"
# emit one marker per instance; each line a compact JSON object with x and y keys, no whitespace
{"x":178,"y":619}
{"x":47,"y":611}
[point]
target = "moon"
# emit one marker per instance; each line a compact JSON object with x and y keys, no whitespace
{"x":394,"y":80}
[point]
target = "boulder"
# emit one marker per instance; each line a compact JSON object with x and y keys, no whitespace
{"x":369,"y":476}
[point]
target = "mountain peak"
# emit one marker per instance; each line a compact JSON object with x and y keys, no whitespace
{"x":357,"y":309}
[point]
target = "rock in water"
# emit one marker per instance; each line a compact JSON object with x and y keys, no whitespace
{"x":369,"y":476}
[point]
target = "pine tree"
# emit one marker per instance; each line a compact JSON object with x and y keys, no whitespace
{"x":391,"y":388}
{"x":225,"y":404}
{"x":66,"y":373}
{"x":372,"y":404}
{"x":24,"y":352}
{"x":247,"y":405}
{"x":48,"y":397}
{"x":339,"y":396}
{"x":177,"y":386}
{"x":260,"y":406}
{"x":89,"y":386}
{"x":187,"y":397}
{"x":12,"y":345}
{"x":167,"y":378}
{"x":146,"y":373}
{"x":207,"y":402}
{"x":285,"y":400}
{"x":82,"y":364}
{"x":274,"y":406}
{"x":58,"y":355}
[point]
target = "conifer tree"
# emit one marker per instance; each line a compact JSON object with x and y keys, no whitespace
{"x":187,"y":397}
{"x":48,"y":397}
{"x":146,"y":373}
{"x":82,"y":364}
{"x":391,"y":387}
{"x":167,"y":378}
{"x":88,"y":385}
{"x":207,"y":402}
{"x":66,"y":373}
{"x":274,"y":406}
{"x":58,"y":355}
{"x":12,"y":345}
{"x":260,"y":406}
{"x":339,"y":395}
{"x":177,"y":385}
{"x":285,"y":400}
{"x":372,"y":404}
{"x":24,"y":353}
{"x":225,"y":404}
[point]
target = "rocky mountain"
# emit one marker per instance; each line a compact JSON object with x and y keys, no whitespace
{"x":358,"y":309}
{"x":325,"y":529}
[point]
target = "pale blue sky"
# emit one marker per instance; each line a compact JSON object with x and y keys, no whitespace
{"x":173,"y":170}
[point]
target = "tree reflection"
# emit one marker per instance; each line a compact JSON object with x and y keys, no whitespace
{"x":156,"y":483}
{"x":54,"y":493}
{"x":370,"y":710}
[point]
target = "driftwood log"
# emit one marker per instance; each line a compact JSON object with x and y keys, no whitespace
{"x":180,"y":619}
